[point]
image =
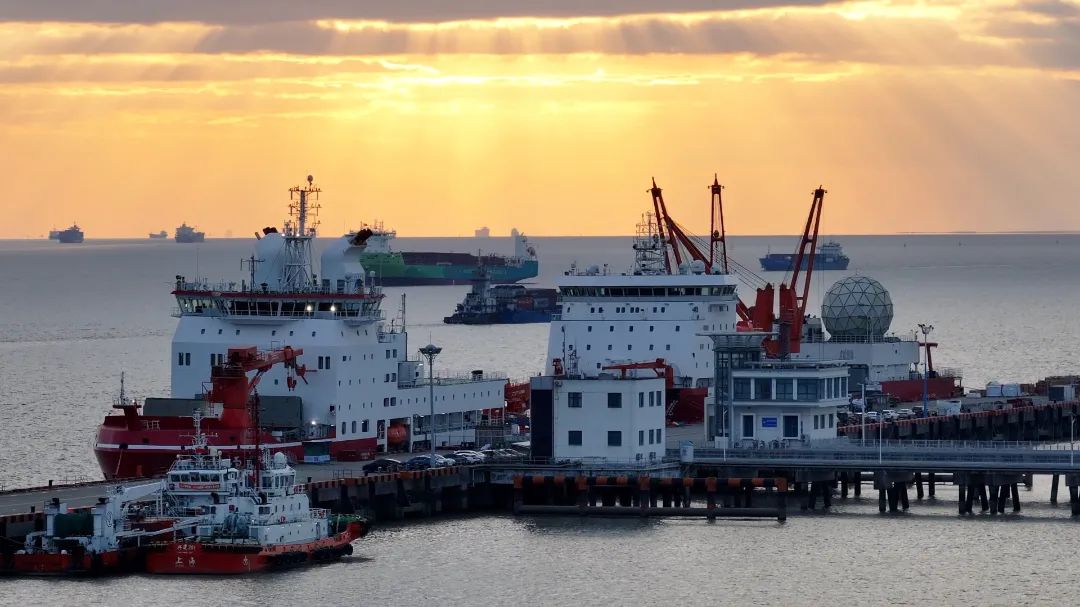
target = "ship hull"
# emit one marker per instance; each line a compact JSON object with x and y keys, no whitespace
{"x":124,"y":453}
{"x":197,"y":558}
{"x":72,"y":564}
{"x":516,"y":317}
{"x":188,"y":239}
{"x":420,"y":269}
{"x":70,"y":238}
{"x":784,"y":263}
{"x":687,"y":406}
{"x":911,"y":390}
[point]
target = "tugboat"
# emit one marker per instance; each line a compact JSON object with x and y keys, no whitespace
{"x":829,"y":256}
{"x":249,"y":520}
{"x":503,"y":304}
{"x":72,"y":235}
{"x":98,"y":540}
{"x":188,"y":234}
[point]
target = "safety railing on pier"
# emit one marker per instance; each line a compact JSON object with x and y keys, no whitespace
{"x":958,"y":455}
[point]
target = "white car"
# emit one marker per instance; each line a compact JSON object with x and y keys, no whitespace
{"x":889,"y":415}
{"x":905,"y":413}
{"x":872,"y":417}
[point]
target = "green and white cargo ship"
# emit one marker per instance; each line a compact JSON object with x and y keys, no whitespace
{"x":410,"y":268}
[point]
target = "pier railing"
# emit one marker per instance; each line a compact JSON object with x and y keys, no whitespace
{"x":902,"y":454}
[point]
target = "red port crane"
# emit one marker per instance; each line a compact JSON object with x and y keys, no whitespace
{"x":762,"y":316}
{"x":231,"y":387}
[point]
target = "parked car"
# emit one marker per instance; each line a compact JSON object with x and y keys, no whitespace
{"x":383,"y":464}
{"x":423,"y":462}
{"x":872,"y":417}
{"x":888,"y":415}
{"x":905,"y":413}
{"x":469,"y":457}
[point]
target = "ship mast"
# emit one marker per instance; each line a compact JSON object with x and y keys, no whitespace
{"x":299,"y":272}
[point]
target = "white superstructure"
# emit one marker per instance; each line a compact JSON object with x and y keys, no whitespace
{"x":360,"y":381}
{"x":648,"y":313}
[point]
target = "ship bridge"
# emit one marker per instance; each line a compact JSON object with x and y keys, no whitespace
{"x":610,"y":319}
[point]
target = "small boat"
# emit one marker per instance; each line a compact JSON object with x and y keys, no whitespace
{"x":159,"y":235}
{"x":829,"y":256}
{"x":485,"y":304}
{"x":249,"y":519}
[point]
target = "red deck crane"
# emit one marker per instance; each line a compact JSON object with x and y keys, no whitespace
{"x":231,"y":387}
{"x":659,"y":366}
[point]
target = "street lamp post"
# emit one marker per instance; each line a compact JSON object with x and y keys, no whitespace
{"x":429,"y":352}
{"x":926,"y":329}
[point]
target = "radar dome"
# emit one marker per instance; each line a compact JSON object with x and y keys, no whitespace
{"x":857,"y":307}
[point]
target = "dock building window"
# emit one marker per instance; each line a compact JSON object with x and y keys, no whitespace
{"x":742,"y":388}
{"x":762,"y":388}
{"x":614,"y":438}
{"x":641,"y":399}
{"x":573,"y":437}
{"x":614,"y":400}
{"x":784,"y":389}
{"x":641,"y":437}
{"x":573,"y":400}
{"x":748,"y":426}
{"x":807,"y":389}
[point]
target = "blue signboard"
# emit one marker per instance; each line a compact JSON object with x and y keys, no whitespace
{"x":768,"y":422}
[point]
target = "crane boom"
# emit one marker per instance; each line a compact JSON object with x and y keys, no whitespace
{"x":231,"y":387}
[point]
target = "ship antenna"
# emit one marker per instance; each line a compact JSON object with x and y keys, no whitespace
{"x":123,"y":397}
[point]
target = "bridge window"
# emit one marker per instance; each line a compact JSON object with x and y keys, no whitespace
{"x":614,"y":400}
{"x":573,"y":400}
{"x":364,"y":426}
{"x":353,"y":427}
{"x":343,"y":428}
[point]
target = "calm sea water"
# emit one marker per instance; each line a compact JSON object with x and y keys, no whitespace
{"x":75,"y":316}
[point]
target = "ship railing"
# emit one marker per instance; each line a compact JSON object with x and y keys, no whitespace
{"x":235,"y":287}
{"x":463,"y":378}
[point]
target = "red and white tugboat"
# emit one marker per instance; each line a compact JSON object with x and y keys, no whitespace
{"x":249,"y":520}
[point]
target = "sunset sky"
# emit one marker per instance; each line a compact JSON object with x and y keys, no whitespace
{"x":438,"y":117}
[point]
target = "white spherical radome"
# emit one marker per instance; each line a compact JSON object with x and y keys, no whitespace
{"x":857,"y":307}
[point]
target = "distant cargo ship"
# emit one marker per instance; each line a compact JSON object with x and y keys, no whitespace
{"x":503,"y":304}
{"x":830,"y":256}
{"x":407,"y":268}
{"x":186,"y":233}
{"x":157,"y":235}
{"x":71,"y":235}
{"x":54,"y":234}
